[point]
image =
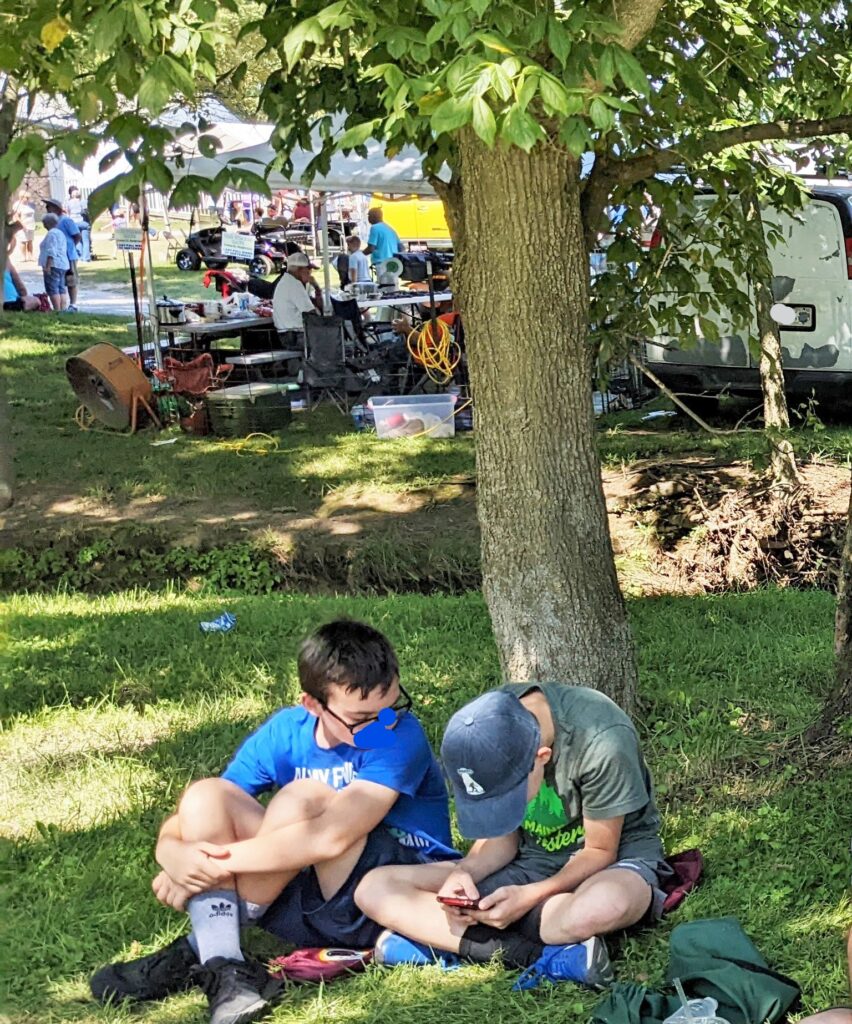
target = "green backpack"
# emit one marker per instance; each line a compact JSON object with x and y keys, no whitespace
{"x":714,"y":958}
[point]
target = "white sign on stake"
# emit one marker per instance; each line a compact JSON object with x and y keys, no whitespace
{"x":237,"y":245}
{"x":128,"y":239}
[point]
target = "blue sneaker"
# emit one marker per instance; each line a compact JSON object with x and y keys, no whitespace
{"x":585,"y":963}
{"x":392,"y":949}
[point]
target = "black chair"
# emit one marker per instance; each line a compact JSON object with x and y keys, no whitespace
{"x":325,"y":368}
{"x":365,"y":335}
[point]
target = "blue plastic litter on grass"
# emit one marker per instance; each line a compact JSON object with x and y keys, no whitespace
{"x":223,"y":624}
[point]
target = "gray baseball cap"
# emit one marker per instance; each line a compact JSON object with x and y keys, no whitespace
{"x":488,"y":752}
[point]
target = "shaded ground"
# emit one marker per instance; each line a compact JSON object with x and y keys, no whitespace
{"x":658,"y":515}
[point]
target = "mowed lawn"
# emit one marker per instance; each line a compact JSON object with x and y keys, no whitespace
{"x":111,"y":705}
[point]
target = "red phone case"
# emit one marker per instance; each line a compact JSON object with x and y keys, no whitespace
{"x":458,"y":901}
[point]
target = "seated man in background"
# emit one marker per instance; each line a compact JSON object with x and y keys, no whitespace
{"x":358,"y":786}
{"x":551,"y":782}
{"x":291,"y":299}
{"x":15,"y":297}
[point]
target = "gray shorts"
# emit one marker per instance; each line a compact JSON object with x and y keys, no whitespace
{"x":527,"y":867}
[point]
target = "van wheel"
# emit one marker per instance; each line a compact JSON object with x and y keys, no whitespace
{"x":705,"y":406}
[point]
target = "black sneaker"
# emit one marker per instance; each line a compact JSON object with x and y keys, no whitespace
{"x":234,"y":989}
{"x":154,"y":976}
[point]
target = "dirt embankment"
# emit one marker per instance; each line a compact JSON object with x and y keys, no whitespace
{"x":677,"y":527}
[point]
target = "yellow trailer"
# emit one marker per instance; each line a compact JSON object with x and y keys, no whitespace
{"x":417,"y":221}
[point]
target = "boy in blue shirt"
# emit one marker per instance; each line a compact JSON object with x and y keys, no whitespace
{"x":382,"y":242}
{"x":358,"y":787}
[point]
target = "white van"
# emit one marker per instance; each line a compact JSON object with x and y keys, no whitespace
{"x":817,"y":346}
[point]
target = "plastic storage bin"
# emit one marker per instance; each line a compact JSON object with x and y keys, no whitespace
{"x":248,"y":409}
{"x":414,"y":415}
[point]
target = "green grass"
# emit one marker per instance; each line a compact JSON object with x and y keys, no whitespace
{"x":168,"y":279}
{"x":111,"y":705}
{"x":316,"y":456}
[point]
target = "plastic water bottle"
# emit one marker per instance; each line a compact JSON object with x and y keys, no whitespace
{"x":357,"y":413}
{"x":223,"y":624}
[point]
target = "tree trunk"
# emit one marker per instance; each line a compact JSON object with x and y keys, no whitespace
{"x":776,"y":418}
{"x":8,"y":107}
{"x":838,"y":705}
{"x":548,"y":573}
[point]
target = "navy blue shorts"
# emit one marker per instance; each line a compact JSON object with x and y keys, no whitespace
{"x":302,"y":916}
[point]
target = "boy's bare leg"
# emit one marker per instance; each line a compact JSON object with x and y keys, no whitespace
{"x":403,"y":899}
{"x":607,"y":902}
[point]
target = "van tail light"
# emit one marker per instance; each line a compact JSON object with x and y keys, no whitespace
{"x":849,"y":258}
{"x":656,"y":239}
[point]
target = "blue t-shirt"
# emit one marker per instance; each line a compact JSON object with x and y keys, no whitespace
{"x":10,"y":292}
{"x":284,"y":749}
{"x":68,"y":228}
{"x":385,"y":242}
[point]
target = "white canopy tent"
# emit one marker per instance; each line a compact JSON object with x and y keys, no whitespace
{"x":248,"y":146}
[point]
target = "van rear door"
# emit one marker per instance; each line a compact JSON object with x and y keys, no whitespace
{"x":817,"y":244}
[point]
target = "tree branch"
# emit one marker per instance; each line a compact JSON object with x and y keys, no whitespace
{"x":646,"y":166}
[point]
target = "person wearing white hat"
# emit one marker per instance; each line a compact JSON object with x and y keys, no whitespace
{"x":291,"y":299}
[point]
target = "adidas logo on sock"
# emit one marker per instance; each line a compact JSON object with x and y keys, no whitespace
{"x":222,"y":909}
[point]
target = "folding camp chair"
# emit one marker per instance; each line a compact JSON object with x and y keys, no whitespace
{"x":325,"y":371}
{"x":363,"y":334}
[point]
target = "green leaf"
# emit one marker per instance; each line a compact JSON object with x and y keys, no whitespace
{"x":298,"y":37}
{"x":237,"y":76}
{"x":437,"y":31}
{"x":559,"y":41}
{"x":177,"y":74}
{"x":631,"y":71}
{"x":528,"y":89}
{"x":600,"y":114}
{"x":357,"y":135}
{"x":501,"y":83}
{"x":484,"y":122}
{"x":493,"y":42}
{"x":575,"y":135}
{"x":335,"y":15}
{"x":208,"y":145}
{"x":606,"y":65}
{"x":155,"y":90}
{"x":520,"y":129}
{"x":159,"y":175}
{"x":451,"y":115}
{"x":554,"y":95}
{"x":143,"y":24}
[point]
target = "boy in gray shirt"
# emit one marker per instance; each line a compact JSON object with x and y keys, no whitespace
{"x":550,"y":781}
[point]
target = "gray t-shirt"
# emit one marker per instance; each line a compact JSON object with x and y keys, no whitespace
{"x":597,"y":771}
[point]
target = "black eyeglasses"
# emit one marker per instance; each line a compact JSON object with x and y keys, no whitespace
{"x":399,"y":707}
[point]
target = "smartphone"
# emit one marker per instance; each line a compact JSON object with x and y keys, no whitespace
{"x":462,"y":902}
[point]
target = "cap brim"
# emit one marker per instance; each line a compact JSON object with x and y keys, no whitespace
{"x":491,"y":817}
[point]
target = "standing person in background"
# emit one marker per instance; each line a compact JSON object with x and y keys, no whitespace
{"x":24,"y":212}
{"x":359,"y":268}
{"x":382,"y":242}
{"x":77,"y":212}
{"x":74,"y":204}
{"x":54,"y":262}
{"x":73,"y":238}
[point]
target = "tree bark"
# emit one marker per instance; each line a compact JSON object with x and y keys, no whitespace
{"x":8,"y":109}
{"x":838,"y":705}
{"x":548,"y":572}
{"x":776,"y":418}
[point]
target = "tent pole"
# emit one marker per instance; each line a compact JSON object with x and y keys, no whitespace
{"x":326,"y":256}
{"x":152,"y":297}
